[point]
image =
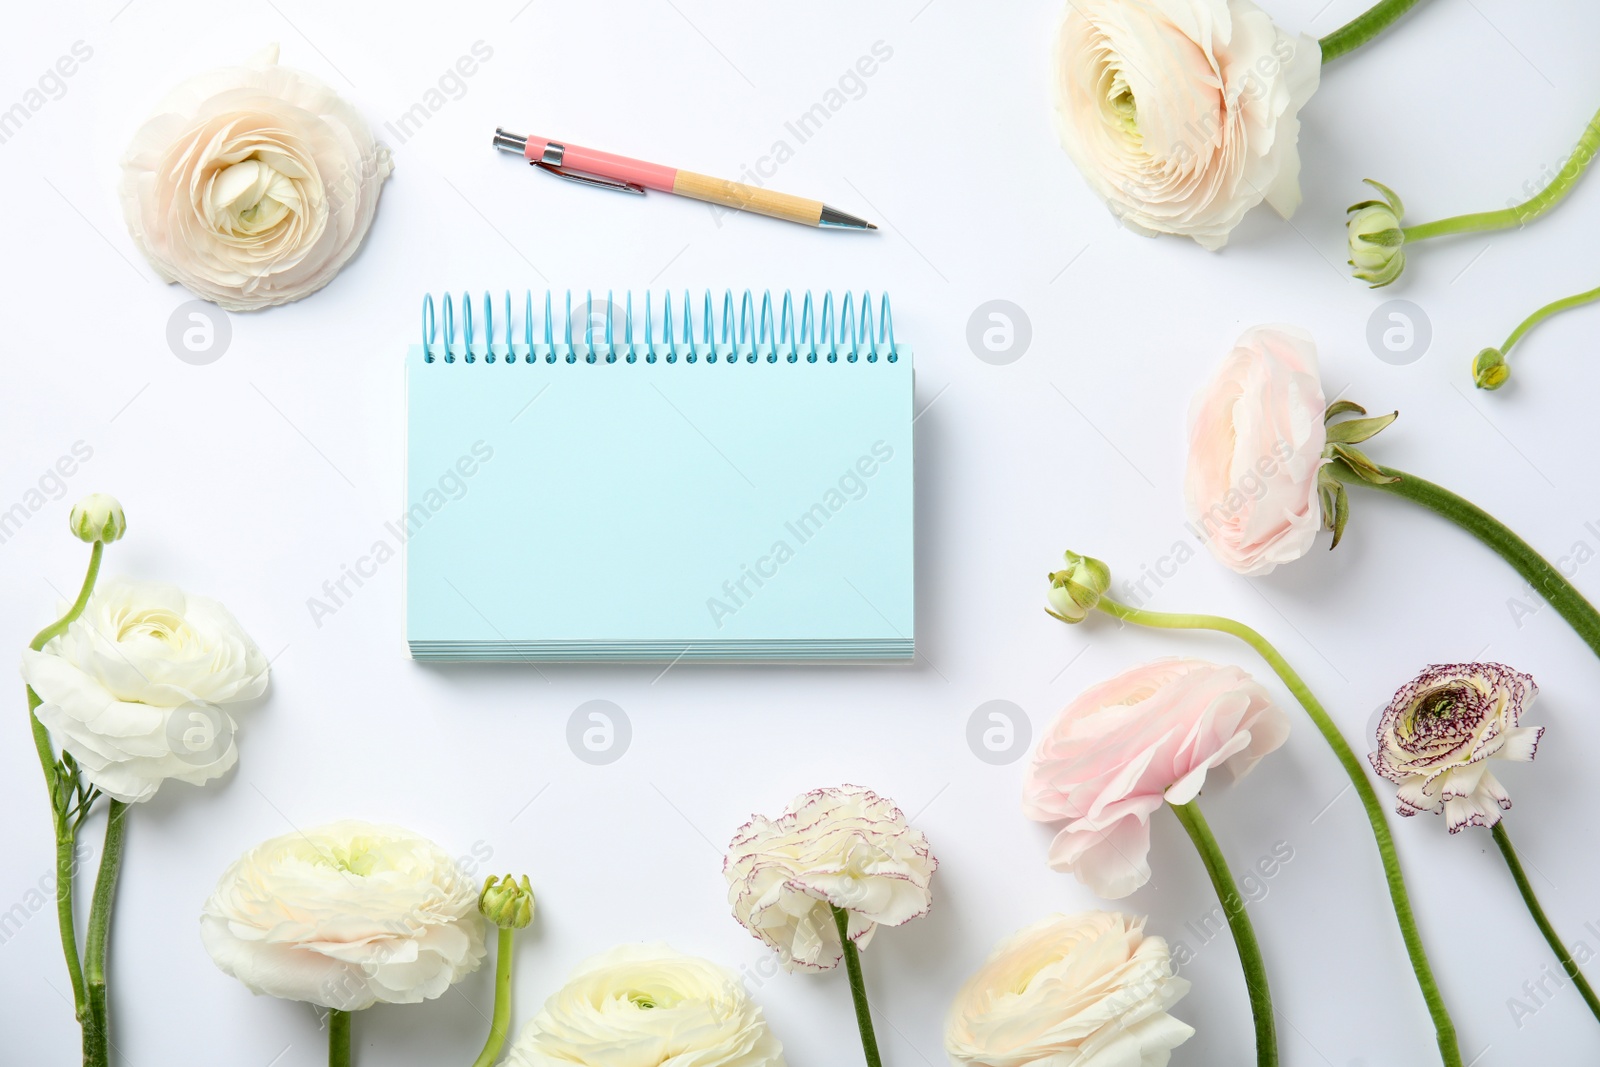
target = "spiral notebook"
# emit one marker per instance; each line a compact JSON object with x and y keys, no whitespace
{"x":612,"y":482}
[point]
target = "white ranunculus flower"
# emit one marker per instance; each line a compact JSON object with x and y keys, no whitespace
{"x":1183,"y":114}
{"x":1087,"y":990}
{"x":648,"y":1006}
{"x":847,"y":848}
{"x":345,"y":916}
{"x":252,"y":185}
{"x":134,"y":689}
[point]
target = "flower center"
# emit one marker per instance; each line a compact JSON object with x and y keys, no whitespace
{"x":1124,"y":108}
{"x":1442,"y":715}
{"x":252,"y":197}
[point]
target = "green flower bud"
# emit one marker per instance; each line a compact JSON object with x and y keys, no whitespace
{"x":1075,"y":591}
{"x":1377,"y":244}
{"x":97,"y":517}
{"x":1490,"y":369}
{"x":506,"y":902}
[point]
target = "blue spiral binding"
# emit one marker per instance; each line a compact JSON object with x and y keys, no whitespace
{"x":748,"y":331}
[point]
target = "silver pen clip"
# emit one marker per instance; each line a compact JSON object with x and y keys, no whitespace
{"x":551,"y":161}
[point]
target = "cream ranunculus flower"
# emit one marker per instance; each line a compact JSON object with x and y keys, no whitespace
{"x":847,"y":848}
{"x":1441,"y":730}
{"x":1087,"y":990}
{"x":648,"y":1006}
{"x":252,"y":185}
{"x":134,"y":688}
{"x":1183,"y":114}
{"x":345,"y":916}
{"x":1256,"y":438}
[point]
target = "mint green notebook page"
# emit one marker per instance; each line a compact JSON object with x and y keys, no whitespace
{"x":661,"y":507}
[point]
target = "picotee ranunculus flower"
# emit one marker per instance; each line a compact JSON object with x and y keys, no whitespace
{"x":648,"y":1006}
{"x":1123,"y":748}
{"x":1183,"y":114}
{"x":345,"y":916}
{"x":847,"y":848}
{"x":252,"y":185}
{"x":1087,"y":990}
{"x":1256,"y":439}
{"x":1438,"y":734}
{"x":136,"y":688}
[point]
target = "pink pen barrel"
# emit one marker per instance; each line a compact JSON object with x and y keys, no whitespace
{"x":607,"y":165}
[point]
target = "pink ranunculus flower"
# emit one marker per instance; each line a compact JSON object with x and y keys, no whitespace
{"x":1130,"y":744}
{"x":1256,"y":437}
{"x":1438,"y":734}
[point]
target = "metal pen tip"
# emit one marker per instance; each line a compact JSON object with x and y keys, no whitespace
{"x":839,"y":220}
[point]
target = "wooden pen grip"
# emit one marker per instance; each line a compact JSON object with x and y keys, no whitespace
{"x":743,"y":197}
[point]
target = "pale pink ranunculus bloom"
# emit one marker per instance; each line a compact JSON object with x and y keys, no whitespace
{"x":252,"y":185}
{"x":1183,"y":115}
{"x":1126,"y":746}
{"x":1256,"y":436}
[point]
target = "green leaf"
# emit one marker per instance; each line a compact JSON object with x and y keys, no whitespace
{"x":1342,"y":407}
{"x":1341,"y":515}
{"x":1389,"y":238}
{"x":1354,"y":431}
{"x":1389,"y":195}
{"x":1363,"y":467}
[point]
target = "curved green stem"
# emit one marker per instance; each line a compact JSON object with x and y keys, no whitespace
{"x":1530,"y":209}
{"x":1534,"y":568}
{"x":1244,"y":935}
{"x":1555,"y":307}
{"x":858,"y":987}
{"x":65,"y":826}
{"x":1445,"y":1030}
{"x":59,"y":627}
{"x":99,"y":935}
{"x":500,"y":1024}
{"x":338,"y":1038}
{"x":1363,"y":28}
{"x":1503,"y":839}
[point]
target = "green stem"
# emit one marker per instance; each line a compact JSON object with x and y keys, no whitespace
{"x":500,"y":1025}
{"x":99,"y":934}
{"x":1534,"y":568}
{"x":1363,"y":28}
{"x":1552,"y":308}
{"x":1525,"y":212}
{"x":66,"y":838}
{"x":1244,"y":935}
{"x":1445,"y":1030}
{"x":338,"y":1038}
{"x":858,"y":987}
{"x":1503,"y":839}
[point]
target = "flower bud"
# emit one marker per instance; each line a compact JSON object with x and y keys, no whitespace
{"x":97,"y":517}
{"x":1377,"y":244}
{"x":1075,"y":591}
{"x":506,"y":902}
{"x":1490,"y":369}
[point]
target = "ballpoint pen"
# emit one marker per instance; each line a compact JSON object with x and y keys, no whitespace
{"x":608,"y":171}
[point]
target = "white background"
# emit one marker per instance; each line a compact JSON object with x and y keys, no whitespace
{"x":255,"y":478}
